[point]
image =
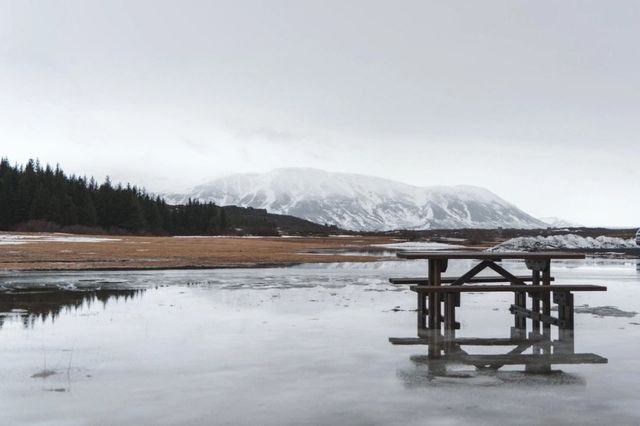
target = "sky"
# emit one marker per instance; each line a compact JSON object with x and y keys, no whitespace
{"x":537,"y":101}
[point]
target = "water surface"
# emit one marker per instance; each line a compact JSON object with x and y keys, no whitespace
{"x":297,"y":345}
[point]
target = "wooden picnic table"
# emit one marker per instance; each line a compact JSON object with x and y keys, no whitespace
{"x":436,"y":290}
{"x":538,"y":262}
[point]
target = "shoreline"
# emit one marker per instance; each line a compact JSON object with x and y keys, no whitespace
{"x":45,"y":252}
{"x":54,"y":252}
{"x":166,"y":268}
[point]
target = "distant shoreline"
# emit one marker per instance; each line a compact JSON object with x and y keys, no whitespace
{"x":47,"y":252}
{"x":165,"y":268}
{"x":54,"y":252}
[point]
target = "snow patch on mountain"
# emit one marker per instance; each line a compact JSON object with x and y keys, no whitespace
{"x":558,"y":222}
{"x":565,"y":241}
{"x":362,"y":203}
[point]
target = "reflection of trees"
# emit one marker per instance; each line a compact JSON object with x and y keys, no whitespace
{"x":32,"y":304}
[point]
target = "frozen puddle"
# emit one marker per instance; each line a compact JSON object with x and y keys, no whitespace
{"x":420,"y":245}
{"x":602,"y":311}
{"x":18,"y":239}
{"x":298,"y":345}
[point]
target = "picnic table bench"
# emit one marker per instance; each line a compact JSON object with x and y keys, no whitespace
{"x":449,"y":280}
{"x":438,"y":297}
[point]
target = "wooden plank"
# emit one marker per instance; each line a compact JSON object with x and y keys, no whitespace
{"x":450,"y":311}
{"x":517,"y":350}
{"x":565,"y":313}
{"x":545,"y":319}
{"x":508,"y":275}
{"x":432,"y":301}
{"x":520,"y":300}
{"x":484,"y":255}
{"x":449,"y":280}
{"x":516,"y":359}
{"x":438,"y":265}
{"x":513,"y":359}
{"x":564,"y":300}
{"x":545,"y":298}
{"x":472,"y":273}
{"x":408,"y":341}
{"x":465,"y":341}
{"x":422,"y":311}
{"x":506,"y":288}
{"x":535,"y":301}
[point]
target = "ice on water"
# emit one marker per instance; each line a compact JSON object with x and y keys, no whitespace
{"x":296,"y":345}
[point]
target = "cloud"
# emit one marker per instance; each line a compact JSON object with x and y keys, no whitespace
{"x":534,"y":100}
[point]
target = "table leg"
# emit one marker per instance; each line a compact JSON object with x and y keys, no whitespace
{"x":433,"y":332}
{"x":422,"y":312}
{"x":546,"y":309}
{"x":535,"y":305}
{"x":565,"y":342}
{"x":449,"y":311}
{"x":535,"y":302}
{"x":546,"y":297}
{"x":434,"y":298}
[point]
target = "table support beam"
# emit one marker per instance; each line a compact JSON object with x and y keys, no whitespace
{"x":546,"y":320}
{"x":471,"y":273}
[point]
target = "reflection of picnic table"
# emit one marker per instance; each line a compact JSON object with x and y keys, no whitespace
{"x":438,"y":298}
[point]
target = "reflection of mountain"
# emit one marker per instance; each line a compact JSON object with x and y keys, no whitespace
{"x":30,"y":304}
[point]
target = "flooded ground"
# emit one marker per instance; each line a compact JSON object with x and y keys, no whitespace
{"x":298,"y":345}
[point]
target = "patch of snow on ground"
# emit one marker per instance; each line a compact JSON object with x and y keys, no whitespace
{"x":188,"y":237}
{"x":565,"y":241}
{"x":16,"y":239}
{"x":419,"y":245}
{"x":602,"y":311}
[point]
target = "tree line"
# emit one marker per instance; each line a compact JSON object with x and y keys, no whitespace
{"x":42,"y":198}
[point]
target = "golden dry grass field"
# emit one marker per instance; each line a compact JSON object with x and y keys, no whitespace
{"x":71,"y":252}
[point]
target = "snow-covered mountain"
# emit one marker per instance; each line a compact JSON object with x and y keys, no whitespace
{"x":558,"y":222}
{"x":362,"y":203}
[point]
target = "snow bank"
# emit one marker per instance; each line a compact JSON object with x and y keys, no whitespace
{"x":16,"y":239}
{"x":419,"y":245}
{"x":565,"y":241}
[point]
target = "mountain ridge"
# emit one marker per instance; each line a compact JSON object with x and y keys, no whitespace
{"x":361,"y":202}
{"x":558,"y":222}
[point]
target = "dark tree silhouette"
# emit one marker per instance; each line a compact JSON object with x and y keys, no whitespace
{"x":34,"y":197}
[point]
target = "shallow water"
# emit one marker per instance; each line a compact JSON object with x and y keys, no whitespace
{"x":298,"y":345}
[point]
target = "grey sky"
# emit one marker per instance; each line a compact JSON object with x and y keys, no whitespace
{"x":537,"y":101}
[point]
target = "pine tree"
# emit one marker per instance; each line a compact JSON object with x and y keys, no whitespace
{"x":132,"y":215}
{"x":69,"y":213}
{"x":54,"y":210}
{"x":222,"y":220}
{"x":87,"y":214}
{"x":39,"y":204}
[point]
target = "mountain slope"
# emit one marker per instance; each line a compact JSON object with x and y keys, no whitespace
{"x":363,"y":203}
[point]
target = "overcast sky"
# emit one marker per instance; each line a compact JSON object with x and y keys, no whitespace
{"x":536,"y":101}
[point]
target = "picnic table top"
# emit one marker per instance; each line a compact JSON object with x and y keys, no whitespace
{"x":473,"y":288}
{"x":486,"y":255}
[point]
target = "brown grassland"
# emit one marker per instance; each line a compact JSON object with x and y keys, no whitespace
{"x":132,"y":252}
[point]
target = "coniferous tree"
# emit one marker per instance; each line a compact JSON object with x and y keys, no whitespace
{"x":222,"y":220}
{"x":68,"y":213}
{"x":87,"y":214}
{"x":39,"y":204}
